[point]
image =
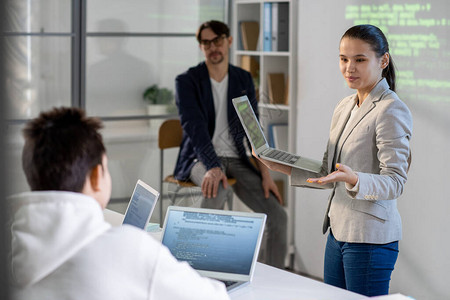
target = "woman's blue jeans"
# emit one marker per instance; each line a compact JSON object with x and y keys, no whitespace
{"x":361,"y":268}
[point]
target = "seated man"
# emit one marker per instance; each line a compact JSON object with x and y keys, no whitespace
{"x":213,"y":138}
{"x":61,"y":246}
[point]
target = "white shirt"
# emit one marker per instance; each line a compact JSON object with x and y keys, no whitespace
{"x":222,"y":140}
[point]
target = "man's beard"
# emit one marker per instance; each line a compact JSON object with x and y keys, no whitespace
{"x":217,"y":59}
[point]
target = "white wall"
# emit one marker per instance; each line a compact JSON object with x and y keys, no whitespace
{"x":424,"y":260}
{"x":319,"y":88}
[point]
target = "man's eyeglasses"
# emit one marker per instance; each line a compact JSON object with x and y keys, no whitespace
{"x":218,"y":41}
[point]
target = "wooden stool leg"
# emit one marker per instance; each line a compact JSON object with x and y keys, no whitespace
{"x":173,"y":195}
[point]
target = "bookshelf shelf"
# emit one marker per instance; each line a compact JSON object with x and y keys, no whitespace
{"x":276,"y":53}
{"x":262,"y":53}
{"x":248,"y":52}
{"x":273,"y":106}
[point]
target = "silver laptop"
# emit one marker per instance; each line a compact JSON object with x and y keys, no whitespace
{"x":141,"y":205}
{"x":259,"y":143}
{"x":219,"y":244}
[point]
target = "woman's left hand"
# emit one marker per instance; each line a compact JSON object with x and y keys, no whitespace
{"x":342,"y":174}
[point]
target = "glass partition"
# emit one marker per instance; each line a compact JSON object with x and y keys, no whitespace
{"x":143,"y":16}
{"x":120,"y":69}
{"x":49,"y":16}
{"x":38,"y":74}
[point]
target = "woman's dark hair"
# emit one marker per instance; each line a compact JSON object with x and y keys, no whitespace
{"x":61,"y":148}
{"x":217,"y":27}
{"x":373,"y":36}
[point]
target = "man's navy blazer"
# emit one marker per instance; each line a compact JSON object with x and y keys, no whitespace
{"x":197,"y":114}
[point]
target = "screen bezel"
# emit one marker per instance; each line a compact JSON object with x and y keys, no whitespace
{"x":152,"y":191}
{"x":216,"y":274}
{"x":239,"y":100}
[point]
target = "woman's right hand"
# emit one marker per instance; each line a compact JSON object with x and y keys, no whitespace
{"x":343,"y":173}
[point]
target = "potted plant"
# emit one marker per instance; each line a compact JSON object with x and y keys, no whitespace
{"x":159,"y":102}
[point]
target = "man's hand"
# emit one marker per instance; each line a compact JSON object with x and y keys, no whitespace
{"x":342,"y":174}
{"x":211,"y":181}
{"x":268,"y":186}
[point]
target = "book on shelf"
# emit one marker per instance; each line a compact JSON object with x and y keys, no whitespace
{"x":274,"y":31}
{"x":278,"y":135}
{"x":249,"y":35}
{"x":276,"y":26}
{"x":283,"y":27}
{"x":286,"y":92}
{"x":276,"y":88}
{"x":250,"y":64}
{"x":267,"y":33}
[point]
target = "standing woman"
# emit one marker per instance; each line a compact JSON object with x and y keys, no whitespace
{"x":365,"y":165}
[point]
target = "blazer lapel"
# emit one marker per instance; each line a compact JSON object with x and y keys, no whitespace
{"x":342,"y":119}
{"x":369,"y":103}
{"x":365,"y":108}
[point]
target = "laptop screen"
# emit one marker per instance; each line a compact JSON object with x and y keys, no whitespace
{"x":216,"y":242}
{"x":248,"y":117}
{"x":142,"y":203}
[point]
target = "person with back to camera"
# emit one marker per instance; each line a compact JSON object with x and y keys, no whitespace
{"x":213,"y":149}
{"x":365,"y":164}
{"x":62,"y":248}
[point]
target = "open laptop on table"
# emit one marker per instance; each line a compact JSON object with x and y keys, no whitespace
{"x":259,"y":143}
{"x":141,"y":205}
{"x":219,"y":244}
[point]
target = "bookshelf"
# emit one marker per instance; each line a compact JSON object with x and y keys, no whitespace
{"x":265,"y":62}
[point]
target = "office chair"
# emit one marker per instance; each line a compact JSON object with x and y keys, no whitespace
{"x":169,"y":136}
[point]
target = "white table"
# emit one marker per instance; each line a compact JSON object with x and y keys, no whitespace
{"x":271,"y":283}
{"x":275,"y":284}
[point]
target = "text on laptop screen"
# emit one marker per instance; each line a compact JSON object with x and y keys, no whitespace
{"x":212,"y":242}
{"x":248,"y":117}
{"x":141,"y":204}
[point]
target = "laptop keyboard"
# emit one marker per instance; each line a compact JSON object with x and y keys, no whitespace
{"x":228,"y":283}
{"x":282,"y":156}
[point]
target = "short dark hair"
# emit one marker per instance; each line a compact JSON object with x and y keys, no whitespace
{"x":61,"y":147}
{"x":373,"y":36}
{"x":217,"y":27}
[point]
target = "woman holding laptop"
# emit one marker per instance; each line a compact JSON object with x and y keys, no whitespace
{"x":365,"y":165}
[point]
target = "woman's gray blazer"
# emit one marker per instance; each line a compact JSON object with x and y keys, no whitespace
{"x":376,"y":146}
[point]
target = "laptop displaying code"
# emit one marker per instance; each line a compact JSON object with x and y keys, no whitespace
{"x":213,"y":242}
{"x":140,"y":207}
{"x":253,"y":129}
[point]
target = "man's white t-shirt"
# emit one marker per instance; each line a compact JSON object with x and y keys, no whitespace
{"x":222,"y":140}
